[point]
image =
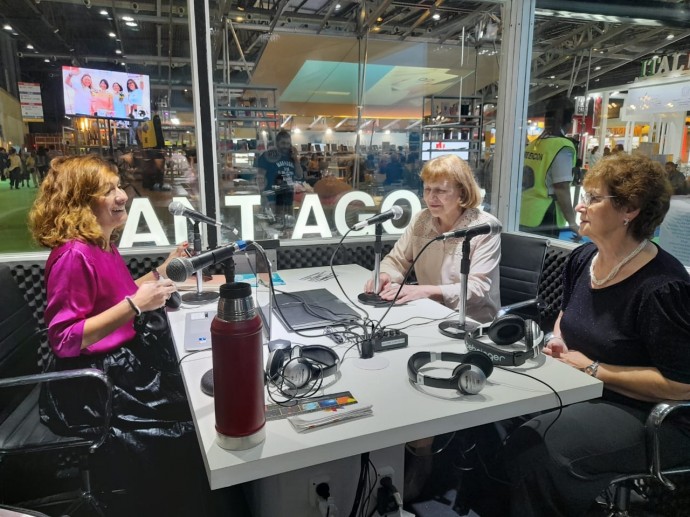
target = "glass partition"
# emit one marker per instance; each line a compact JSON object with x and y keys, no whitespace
{"x":606,"y":81}
{"x":362,"y":97}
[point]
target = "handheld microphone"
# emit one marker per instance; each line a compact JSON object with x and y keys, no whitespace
{"x":490,"y":228}
{"x":394,"y":213}
{"x":177,"y":208}
{"x":179,"y":269}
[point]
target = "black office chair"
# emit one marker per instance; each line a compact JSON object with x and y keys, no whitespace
{"x":621,"y":488}
{"x":522,"y":261}
{"x":21,"y":429}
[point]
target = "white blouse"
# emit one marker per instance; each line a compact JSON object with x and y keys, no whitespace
{"x":440,"y":262}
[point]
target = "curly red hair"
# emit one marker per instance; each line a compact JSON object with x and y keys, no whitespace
{"x":62,"y":210}
{"x":636,"y":182}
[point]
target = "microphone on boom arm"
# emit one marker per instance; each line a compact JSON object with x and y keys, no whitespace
{"x":179,"y":269}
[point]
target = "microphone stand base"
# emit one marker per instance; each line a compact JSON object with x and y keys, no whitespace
{"x":372,"y":299}
{"x":207,"y":383}
{"x":199,"y":298}
{"x":453,"y":329}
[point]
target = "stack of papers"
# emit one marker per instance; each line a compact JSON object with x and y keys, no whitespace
{"x":329,"y":416}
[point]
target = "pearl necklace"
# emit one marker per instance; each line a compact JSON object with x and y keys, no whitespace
{"x":616,"y":269}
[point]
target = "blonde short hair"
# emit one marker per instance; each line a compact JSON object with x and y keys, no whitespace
{"x":63,"y":210}
{"x":456,"y":170}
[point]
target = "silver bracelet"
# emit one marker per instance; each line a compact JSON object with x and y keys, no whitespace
{"x":548,"y":337}
{"x":133,"y":305}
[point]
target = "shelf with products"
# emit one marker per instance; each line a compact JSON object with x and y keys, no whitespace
{"x":452,"y":125}
{"x":243,"y":114}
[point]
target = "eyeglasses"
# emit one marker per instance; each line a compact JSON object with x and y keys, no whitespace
{"x":587,"y":198}
{"x":438,"y":192}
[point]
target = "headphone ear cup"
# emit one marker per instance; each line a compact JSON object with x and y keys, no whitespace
{"x":297,"y":372}
{"x":274,"y":364}
{"x":529,"y":333}
{"x":322,"y":358}
{"x":471,"y":378}
{"x":507,"y":329}
{"x":481,"y":361}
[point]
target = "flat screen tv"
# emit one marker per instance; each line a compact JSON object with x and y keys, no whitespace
{"x":102,"y":93}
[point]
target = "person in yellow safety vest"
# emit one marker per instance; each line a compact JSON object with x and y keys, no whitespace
{"x":547,"y":175}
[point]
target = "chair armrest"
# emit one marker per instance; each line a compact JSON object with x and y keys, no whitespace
{"x":94,"y":373}
{"x":653,"y":427}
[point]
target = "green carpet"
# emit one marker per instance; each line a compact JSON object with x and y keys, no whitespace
{"x":14,"y":211}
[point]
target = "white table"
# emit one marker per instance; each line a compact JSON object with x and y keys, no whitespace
{"x":402,"y":411}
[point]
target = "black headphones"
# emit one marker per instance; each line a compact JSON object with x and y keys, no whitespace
{"x":295,"y":367}
{"x":505,"y":331}
{"x":469,"y":377}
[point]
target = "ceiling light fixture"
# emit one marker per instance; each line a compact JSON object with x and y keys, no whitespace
{"x":46,"y":60}
{"x":118,"y":51}
{"x":29,"y":46}
{"x":131,"y":24}
{"x":436,"y":16}
{"x":112,"y":34}
{"x":127,"y":19}
{"x":103,"y":12}
{"x":670,"y":36}
{"x":597,"y":68}
{"x":337,"y":7}
{"x":7,"y":27}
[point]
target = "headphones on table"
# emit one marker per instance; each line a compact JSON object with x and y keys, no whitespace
{"x":469,"y":376}
{"x":505,"y":331}
{"x":293,"y":368}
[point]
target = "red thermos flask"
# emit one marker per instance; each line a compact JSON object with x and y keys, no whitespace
{"x":238,"y":375}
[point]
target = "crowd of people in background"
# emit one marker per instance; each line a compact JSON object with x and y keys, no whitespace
{"x":25,"y":168}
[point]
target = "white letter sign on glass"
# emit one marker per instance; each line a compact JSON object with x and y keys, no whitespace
{"x":246,"y":204}
{"x":141,"y":207}
{"x":341,"y":212}
{"x":311,"y":204}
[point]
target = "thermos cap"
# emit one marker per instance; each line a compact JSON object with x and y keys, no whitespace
{"x":235,"y":290}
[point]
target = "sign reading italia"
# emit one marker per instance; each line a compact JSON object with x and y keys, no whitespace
{"x":676,"y":62}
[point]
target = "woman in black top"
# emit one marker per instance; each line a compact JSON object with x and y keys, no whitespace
{"x":625,"y":320}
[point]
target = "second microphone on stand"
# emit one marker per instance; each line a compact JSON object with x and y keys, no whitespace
{"x":394,"y":213}
{"x":177,"y":208}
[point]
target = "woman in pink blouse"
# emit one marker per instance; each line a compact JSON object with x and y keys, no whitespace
{"x":92,"y":304}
